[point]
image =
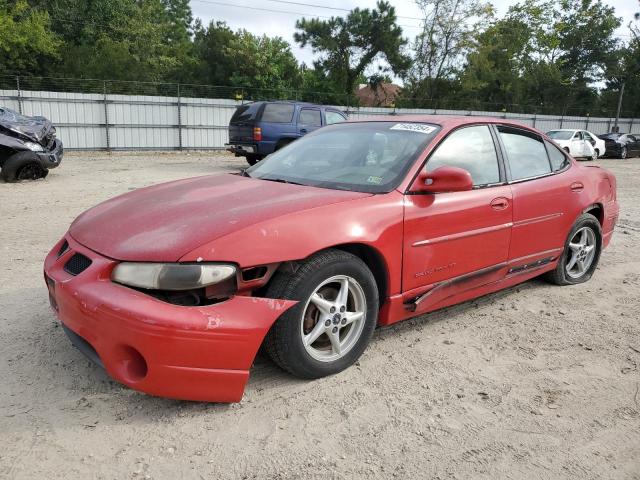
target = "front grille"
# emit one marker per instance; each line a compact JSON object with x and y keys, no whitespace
{"x":77,"y":264}
{"x":63,"y":248}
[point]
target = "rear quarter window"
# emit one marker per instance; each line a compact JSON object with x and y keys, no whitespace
{"x":278,"y":113}
{"x":245,"y":113}
{"x":558,"y":159}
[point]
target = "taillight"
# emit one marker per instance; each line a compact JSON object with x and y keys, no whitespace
{"x":257,"y":134}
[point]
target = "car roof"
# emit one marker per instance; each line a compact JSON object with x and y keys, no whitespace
{"x":445,"y":121}
{"x":293,"y":102}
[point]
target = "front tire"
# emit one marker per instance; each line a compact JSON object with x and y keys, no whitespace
{"x":581,"y":253}
{"x":22,"y":166}
{"x":331,"y":325}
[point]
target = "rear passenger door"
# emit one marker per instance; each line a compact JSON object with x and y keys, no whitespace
{"x":546,"y":196}
{"x":309,"y":119}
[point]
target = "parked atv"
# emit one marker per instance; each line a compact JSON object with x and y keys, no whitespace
{"x":28,"y":146}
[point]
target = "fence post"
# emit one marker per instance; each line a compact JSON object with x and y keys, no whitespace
{"x":631,"y":124}
{"x":179,"y":120}
{"x":106,"y":115}
{"x":586,"y":123}
{"x":535,"y":116}
{"x":609,"y":125}
{"x":19,"y":95}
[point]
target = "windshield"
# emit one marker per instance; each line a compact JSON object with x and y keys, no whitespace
{"x":561,"y":134}
{"x":364,"y":157}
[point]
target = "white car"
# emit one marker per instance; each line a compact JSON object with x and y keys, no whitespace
{"x":578,"y":143}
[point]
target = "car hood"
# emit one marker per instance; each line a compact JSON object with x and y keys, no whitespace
{"x":164,"y":222}
{"x":34,"y":129}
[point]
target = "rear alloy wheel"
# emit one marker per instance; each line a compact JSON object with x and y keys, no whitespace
{"x":594,"y":156}
{"x":334,"y":319}
{"x":623,"y":153}
{"x":581,"y":253}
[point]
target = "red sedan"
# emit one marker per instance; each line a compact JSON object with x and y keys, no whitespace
{"x":174,"y":288}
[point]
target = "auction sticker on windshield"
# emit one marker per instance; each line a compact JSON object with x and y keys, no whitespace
{"x":414,"y":127}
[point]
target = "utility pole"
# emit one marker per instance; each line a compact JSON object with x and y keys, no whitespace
{"x":615,"y":125}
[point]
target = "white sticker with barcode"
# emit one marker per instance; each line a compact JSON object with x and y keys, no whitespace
{"x":414,"y":127}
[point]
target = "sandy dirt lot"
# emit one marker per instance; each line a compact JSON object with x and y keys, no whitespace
{"x":534,"y":382}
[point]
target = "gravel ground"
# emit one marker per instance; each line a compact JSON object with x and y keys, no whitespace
{"x":536,"y":381}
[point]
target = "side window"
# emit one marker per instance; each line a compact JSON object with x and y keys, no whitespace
{"x":333,"y":117}
{"x":278,"y":113}
{"x":577,"y":136}
{"x":525,"y":152}
{"x":556,"y":157}
{"x":470,"y":148}
{"x":632,"y":138}
{"x":310,"y":117}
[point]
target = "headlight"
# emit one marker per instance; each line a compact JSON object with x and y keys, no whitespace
{"x":171,"y":276}
{"x":34,"y":147}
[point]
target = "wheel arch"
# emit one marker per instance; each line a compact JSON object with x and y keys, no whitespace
{"x":376,"y":263}
{"x":372,"y":258}
{"x":284,"y":141}
{"x":597,"y":210}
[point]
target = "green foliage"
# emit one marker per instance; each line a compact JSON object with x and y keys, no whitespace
{"x":545,"y":56}
{"x":26,"y":41}
{"x":348,"y":46}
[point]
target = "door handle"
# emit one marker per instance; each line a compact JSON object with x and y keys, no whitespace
{"x":499,"y":203}
{"x":577,"y":187}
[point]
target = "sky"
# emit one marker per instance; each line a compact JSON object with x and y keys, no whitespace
{"x":253,"y":16}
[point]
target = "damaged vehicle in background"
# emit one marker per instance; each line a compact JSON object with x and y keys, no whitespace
{"x":28,"y":146}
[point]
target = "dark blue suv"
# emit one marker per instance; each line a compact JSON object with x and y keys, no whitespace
{"x":260,"y":128}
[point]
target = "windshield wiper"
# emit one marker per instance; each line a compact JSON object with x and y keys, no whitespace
{"x":281,"y":180}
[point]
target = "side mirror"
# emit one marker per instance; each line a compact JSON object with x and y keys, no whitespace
{"x":443,"y":179}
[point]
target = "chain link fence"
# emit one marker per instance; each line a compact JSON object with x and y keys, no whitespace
{"x":125,"y":115}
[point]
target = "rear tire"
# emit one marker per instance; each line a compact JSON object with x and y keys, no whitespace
{"x":328,"y":329}
{"x":623,"y":153}
{"x":582,"y":247}
{"x":252,"y":159}
{"x":22,"y":166}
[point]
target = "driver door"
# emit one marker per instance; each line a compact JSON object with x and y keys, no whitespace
{"x":458,"y":240}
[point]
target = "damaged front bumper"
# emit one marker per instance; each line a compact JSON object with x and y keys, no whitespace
{"x":199,"y":353}
{"x":53,"y":157}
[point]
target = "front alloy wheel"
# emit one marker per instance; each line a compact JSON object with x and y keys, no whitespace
{"x":334,"y":318}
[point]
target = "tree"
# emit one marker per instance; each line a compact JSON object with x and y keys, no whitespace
{"x":26,"y":40}
{"x":541,"y":53}
{"x":263,"y":63}
{"x":449,"y":31}
{"x":349,"y":46}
